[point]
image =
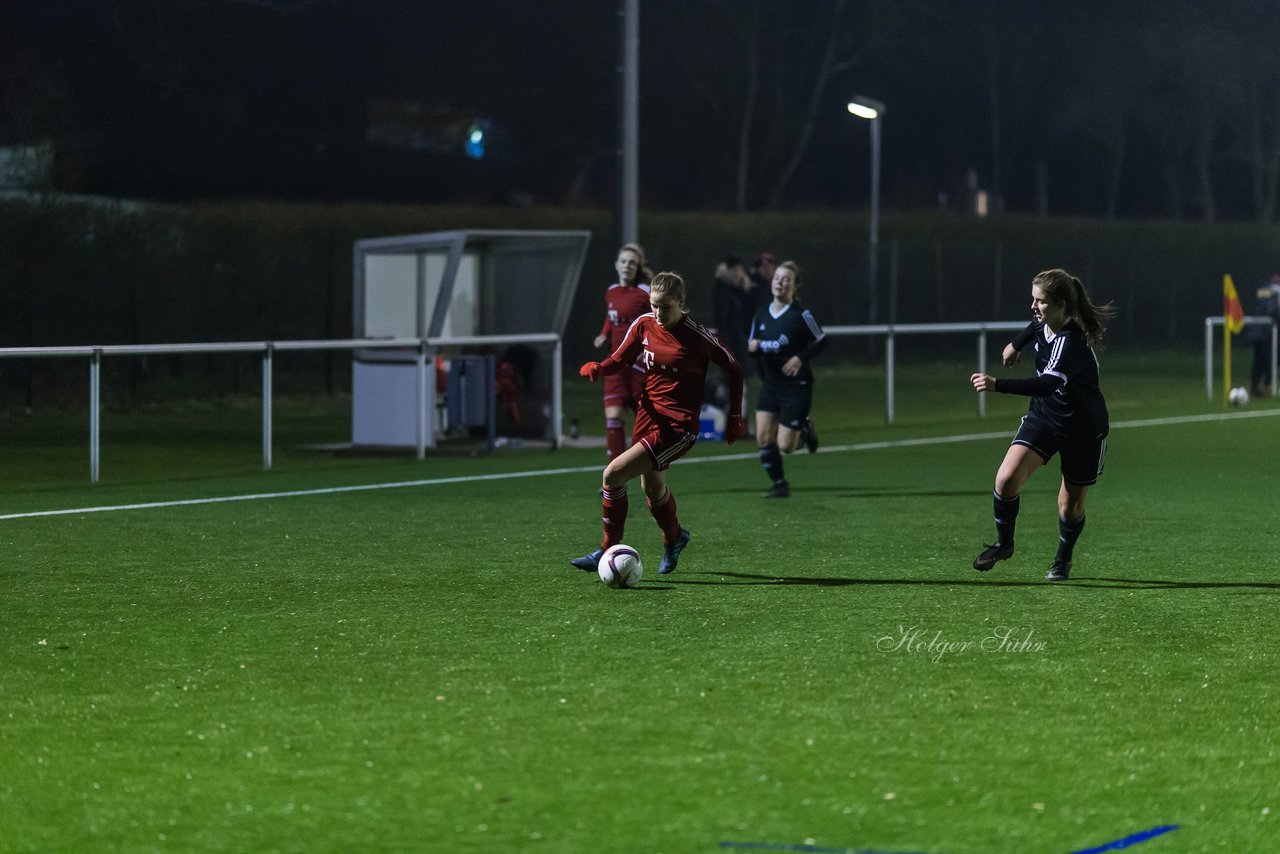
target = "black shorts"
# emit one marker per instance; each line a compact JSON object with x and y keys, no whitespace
{"x":1082,"y":457}
{"x":791,"y":403}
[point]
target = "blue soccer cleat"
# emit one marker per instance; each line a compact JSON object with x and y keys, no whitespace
{"x":671,"y":553}
{"x":588,"y":562}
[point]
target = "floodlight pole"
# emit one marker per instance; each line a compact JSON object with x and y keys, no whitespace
{"x":869,"y":108}
{"x":629,"y":121}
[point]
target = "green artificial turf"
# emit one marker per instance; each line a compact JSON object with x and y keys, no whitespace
{"x":417,"y":668}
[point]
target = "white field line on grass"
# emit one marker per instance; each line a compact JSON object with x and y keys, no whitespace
{"x":441,"y":481}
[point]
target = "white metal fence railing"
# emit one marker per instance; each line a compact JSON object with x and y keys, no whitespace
{"x":1210,"y":323}
{"x":425,"y":349}
{"x":892,"y":331}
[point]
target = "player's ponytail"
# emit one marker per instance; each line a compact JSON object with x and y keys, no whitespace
{"x":1062,"y":286}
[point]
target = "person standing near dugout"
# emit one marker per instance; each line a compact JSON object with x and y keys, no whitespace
{"x":674,"y":351}
{"x":1067,"y":414}
{"x":624,"y":302}
{"x":785,"y":337}
{"x":1267,"y":304}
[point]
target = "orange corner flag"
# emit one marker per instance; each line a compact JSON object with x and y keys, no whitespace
{"x":1232,"y":311}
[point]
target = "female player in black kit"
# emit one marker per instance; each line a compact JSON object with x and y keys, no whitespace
{"x":1067,"y":414}
{"x":785,"y":337}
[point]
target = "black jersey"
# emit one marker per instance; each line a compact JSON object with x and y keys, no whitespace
{"x":1075,"y":405}
{"x":794,"y":332}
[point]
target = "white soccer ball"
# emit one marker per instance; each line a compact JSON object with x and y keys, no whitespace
{"x":1239,"y":396}
{"x":620,"y":566}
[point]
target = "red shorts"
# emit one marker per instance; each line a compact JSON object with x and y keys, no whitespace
{"x":666,"y":442}
{"x":623,"y":388}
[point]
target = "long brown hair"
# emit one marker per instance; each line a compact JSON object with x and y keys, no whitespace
{"x":643,"y":274}
{"x":1061,"y":286}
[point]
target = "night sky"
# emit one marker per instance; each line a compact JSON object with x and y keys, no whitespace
{"x":1129,"y":108}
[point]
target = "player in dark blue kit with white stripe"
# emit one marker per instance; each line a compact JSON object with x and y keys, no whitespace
{"x":785,"y":337}
{"x":1067,"y":414}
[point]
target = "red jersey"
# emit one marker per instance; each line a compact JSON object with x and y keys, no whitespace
{"x":623,"y":304}
{"x":675,"y":362}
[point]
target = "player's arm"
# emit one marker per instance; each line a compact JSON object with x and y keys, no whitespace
{"x":627,"y":353}
{"x":1041,"y":386}
{"x":603,"y":336}
{"x":819,"y":342}
{"x":1013,"y":350}
{"x":718,"y":353}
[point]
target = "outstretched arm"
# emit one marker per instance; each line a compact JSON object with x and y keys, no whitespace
{"x":1041,"y":386}
{"x":623,"y":357}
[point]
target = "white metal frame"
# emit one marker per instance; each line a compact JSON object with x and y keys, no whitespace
{"x":890,"y":331}
{"x":426,"y":349}
{"x":1210,"y":322}
{"x":452,"y":245}
{"x":429,"y":323}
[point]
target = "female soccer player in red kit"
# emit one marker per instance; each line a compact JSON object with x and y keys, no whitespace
{"x":674,"y":350}
{"x":624,"y":302}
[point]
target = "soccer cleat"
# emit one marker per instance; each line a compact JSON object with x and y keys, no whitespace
{"x":810,"y":436}
{"x":588,"y":562}
{"x":991,"y":555}
{"x":781,"y":489}
{"x":1060,"y":571}
{"x":671,"y":553}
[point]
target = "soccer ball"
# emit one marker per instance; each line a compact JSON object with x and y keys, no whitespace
{"x":1239,"y":396}
{"x":620,"y":566}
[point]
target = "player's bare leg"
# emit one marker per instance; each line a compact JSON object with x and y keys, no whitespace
{"x":614,"y":434}
{"x":1020,"y":462}
{"x":788,"y":439}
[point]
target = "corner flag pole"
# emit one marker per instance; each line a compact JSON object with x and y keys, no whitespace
{"x":1226,"y":364}
{"x":1232,"y":322}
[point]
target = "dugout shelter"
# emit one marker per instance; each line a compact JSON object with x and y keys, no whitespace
{"x":485,"y":310}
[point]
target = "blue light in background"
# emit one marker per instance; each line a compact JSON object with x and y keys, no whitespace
{"x":476,"y":138}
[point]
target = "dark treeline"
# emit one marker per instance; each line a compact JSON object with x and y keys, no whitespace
{"x":85,"y":275}
{"x":1137,"y":109}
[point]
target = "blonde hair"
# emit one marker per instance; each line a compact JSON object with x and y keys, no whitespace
{"x":668,"y":284}
{"x":1061,"y":286}
{"x":794,"y":268}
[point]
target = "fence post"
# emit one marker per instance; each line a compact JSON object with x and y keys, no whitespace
{"x":1275,"y":340}
{"x":1208,"y":357}
{"x":982,"y":369}
{"x":95,"y":422}
{"x":422,"y":399}
{"x":267,"y":362}
{"x":888,"y":374}
{"x":557,"y":382}
{"x":491,"y":401}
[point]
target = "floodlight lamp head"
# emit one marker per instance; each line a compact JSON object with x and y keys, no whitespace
{"x":866,"y":108}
